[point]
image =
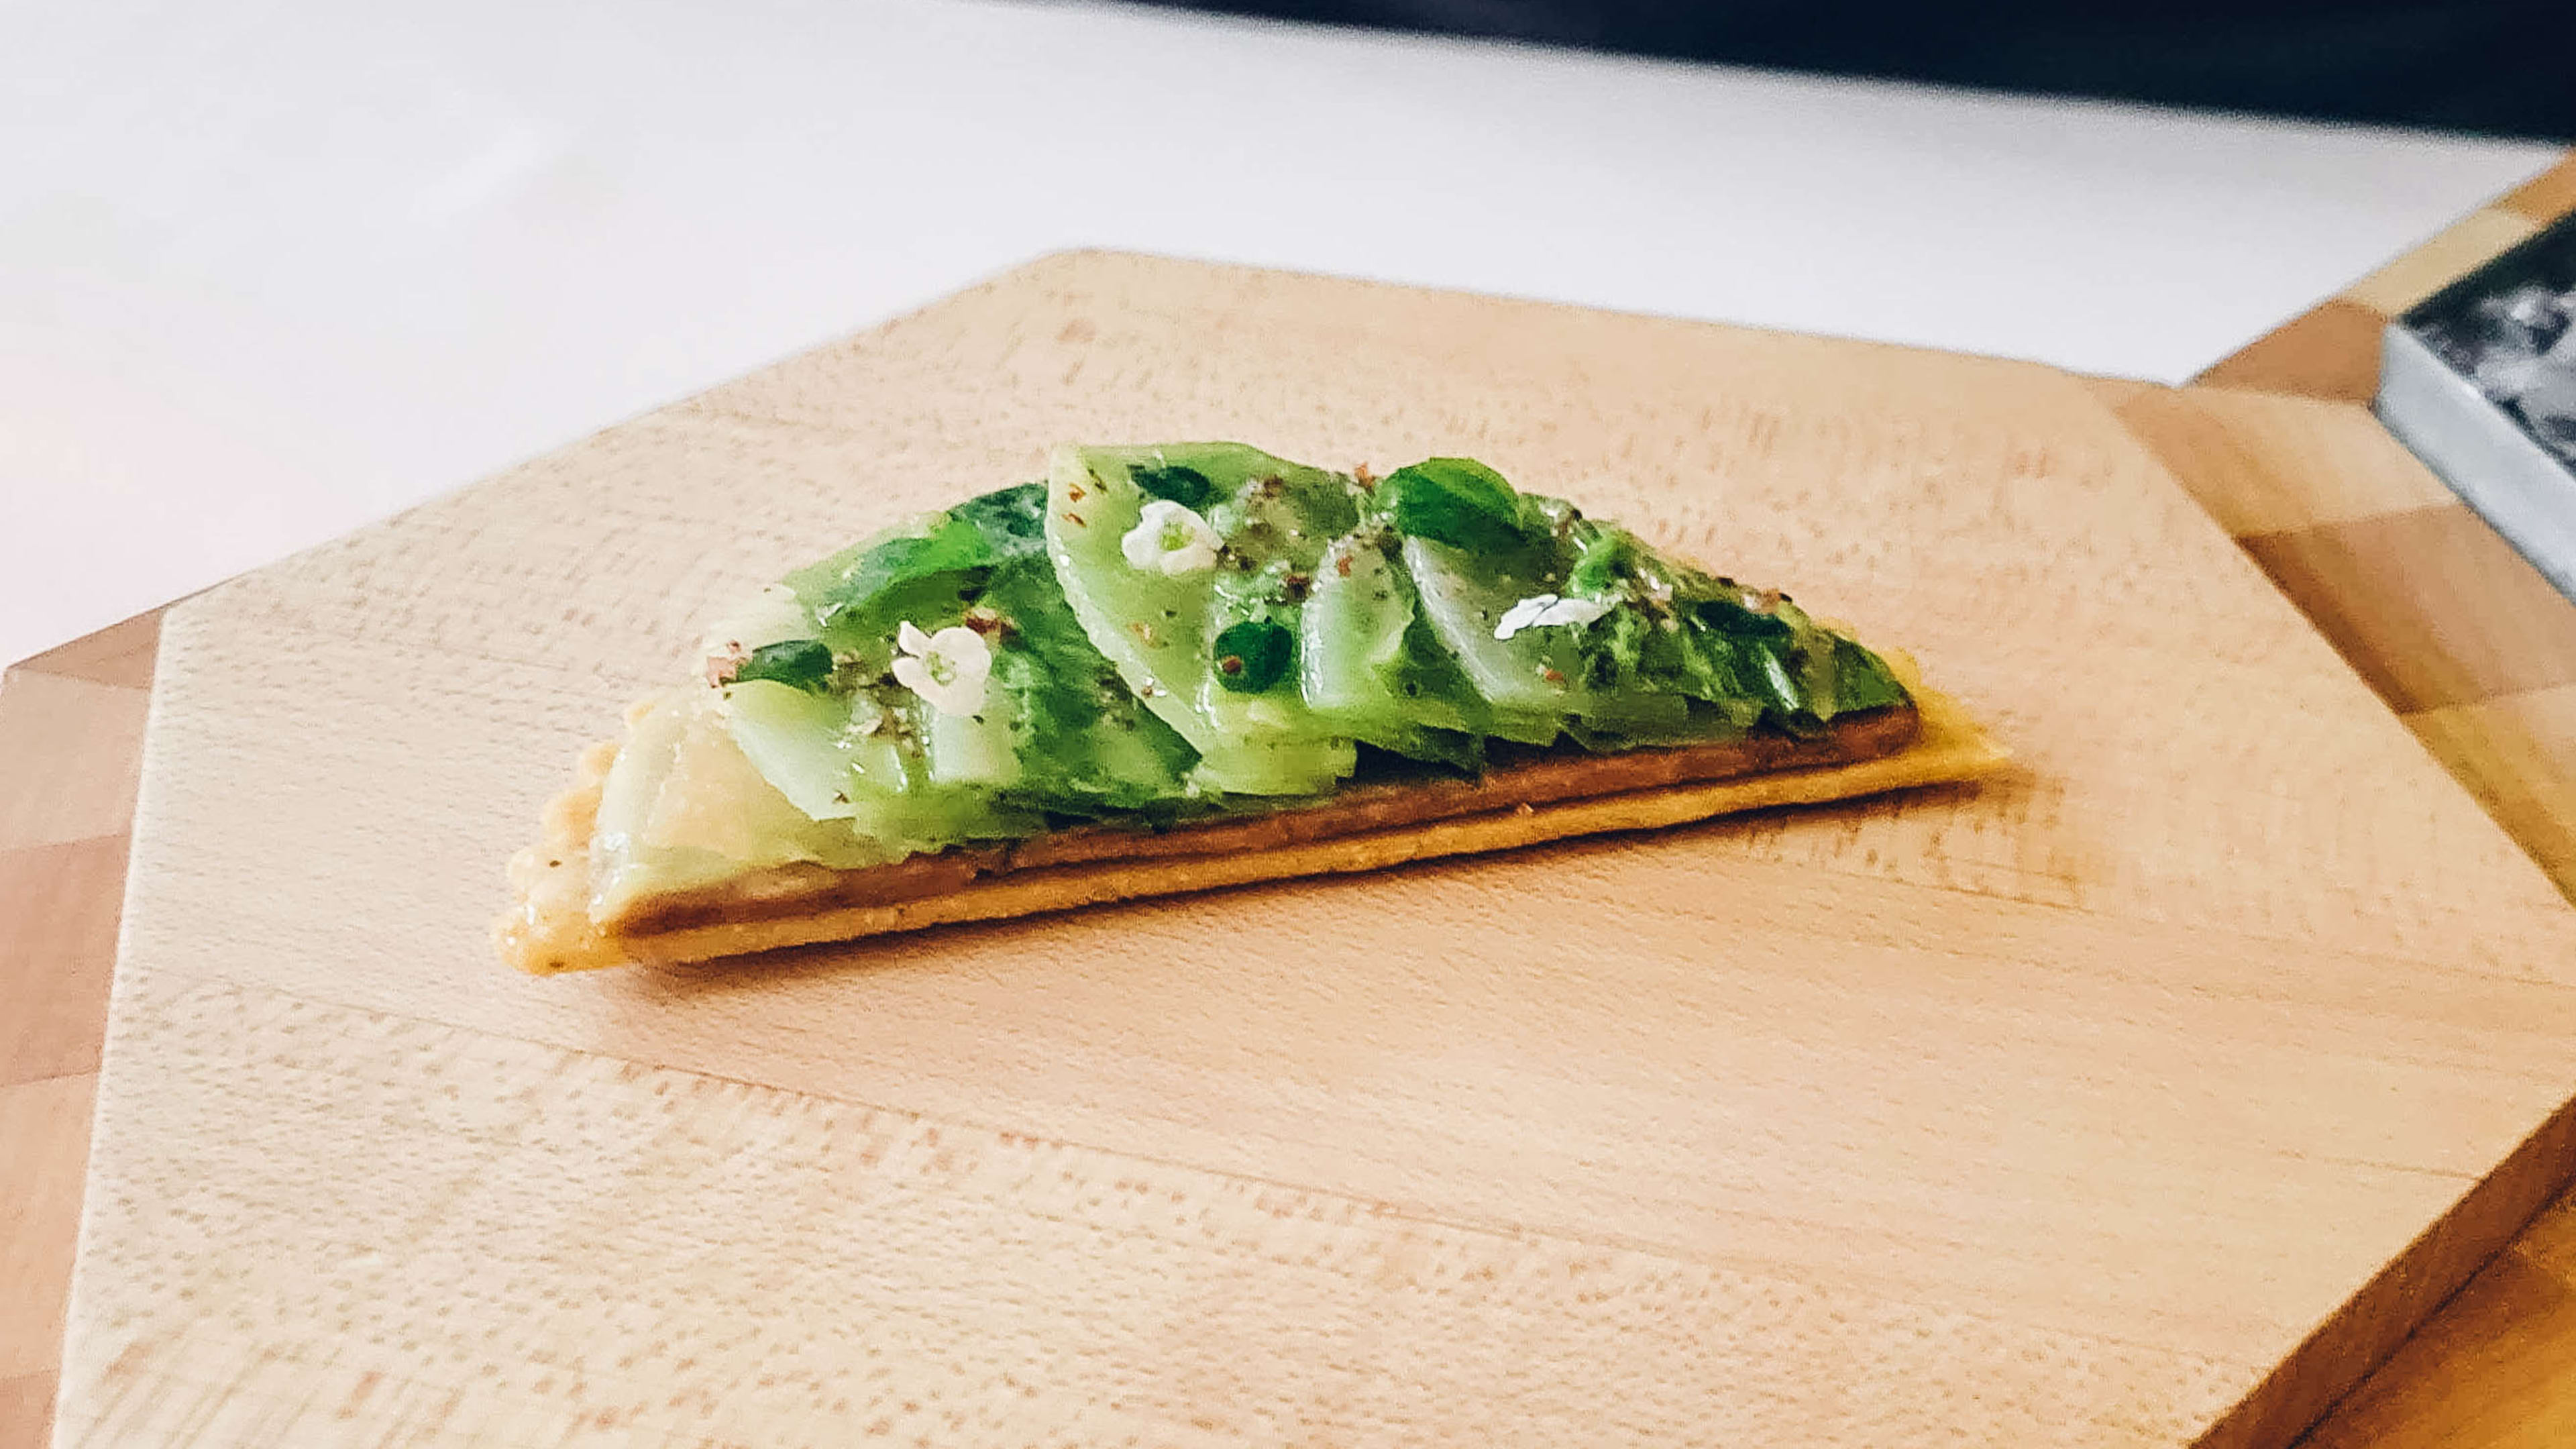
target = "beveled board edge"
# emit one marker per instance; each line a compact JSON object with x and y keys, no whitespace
{"x":66,"y":806}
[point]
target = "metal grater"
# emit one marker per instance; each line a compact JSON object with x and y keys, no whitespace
{"x":2480,"y":381}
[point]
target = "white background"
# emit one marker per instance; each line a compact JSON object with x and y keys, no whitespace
{"x":269,"y":270}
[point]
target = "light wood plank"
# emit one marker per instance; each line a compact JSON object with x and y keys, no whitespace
{"x":2455,"y":252}
{"x":44,"y":1137}
{"x":120,"y":654}
{"x":2431,"y":605}
{"x":2121,"y":1080}
{"x":58,"y":915}
{"x":2515,"y":742}
{"x":2517,"y":754}
{"x":2330,"y":351}
{"x":2492,"y":1372}
{"x":2547,"y":196}
{"x":96,"y":729}
{"x":797,"y":1271}
{"x":2380,"y":1318}
{"x":2263,"y":463}
{"x":26,"y":1411}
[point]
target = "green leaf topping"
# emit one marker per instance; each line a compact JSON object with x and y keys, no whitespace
{"x":1862,"y":680}
{"x":1731,"y":618}
{"x":1253,"y":655}
{"x":1346,"y":615}
{"x":1456,"y":501}
{"x":1012,"y":520}
{"x":804,"y":663}
{"x":927,"y":571}
{"x":1183,"y":485}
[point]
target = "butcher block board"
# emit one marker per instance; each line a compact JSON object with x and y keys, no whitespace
{"x":2143,"y":1096}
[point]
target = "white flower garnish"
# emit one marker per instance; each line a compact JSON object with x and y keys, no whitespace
{"x":947,"y":668}
{"x":1170,"y":539}
{"x":1539,"y":611}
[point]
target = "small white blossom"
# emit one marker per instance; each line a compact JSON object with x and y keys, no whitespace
{"x":1170,"y":539}
{"x":1539,"y":611}
{"x":947,"y":668}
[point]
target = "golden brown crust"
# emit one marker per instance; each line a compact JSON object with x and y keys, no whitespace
{"x":1537,"y":778}
{"x":1546,"y":797}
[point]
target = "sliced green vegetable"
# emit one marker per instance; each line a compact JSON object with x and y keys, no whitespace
{"x":976,"y":751}
{"x":1373,"y":669}
{"x":863,"y":765}
{"x":806,"y":746}
{"x":1166,"y":632}
{"x":1085,"y":745}
{"x":1527,"y":682}
{"x":1153,"y":597}
{"x":1057,"y":733}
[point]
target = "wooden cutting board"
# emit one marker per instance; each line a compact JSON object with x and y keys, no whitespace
{"x":2143,"y":1097}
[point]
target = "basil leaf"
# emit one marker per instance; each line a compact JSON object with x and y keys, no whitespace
{"x":1608,"y":560}
{"x":804,"y":663}
{"x":1735,"y":621}
{"x":860,"y":594}
{"x":1253,"y":655}
{"x":1012,"y":520}
{"x":1456,"y":501}
{"x":1862,"y":680}
{"x":1183,"y":485}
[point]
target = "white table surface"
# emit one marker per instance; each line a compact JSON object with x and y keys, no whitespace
{"x":270,"y":270}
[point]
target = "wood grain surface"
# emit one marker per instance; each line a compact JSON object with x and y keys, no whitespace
{"x":2466,"y":640}
{"x":2062,"y":1110}
{"x":2492,"y":1369}
{"x":72,"y":722}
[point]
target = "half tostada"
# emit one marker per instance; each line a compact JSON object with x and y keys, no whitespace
{"x":1187,"y":666}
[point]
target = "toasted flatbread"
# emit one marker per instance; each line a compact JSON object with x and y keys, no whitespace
{"x":1368,"y":827}
{"x":1180,"y":667}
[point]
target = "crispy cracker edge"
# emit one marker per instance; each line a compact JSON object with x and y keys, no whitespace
{"x":549,"y":930}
